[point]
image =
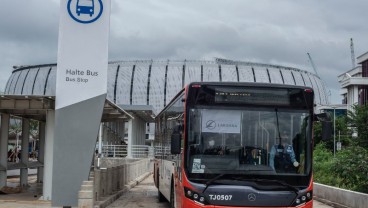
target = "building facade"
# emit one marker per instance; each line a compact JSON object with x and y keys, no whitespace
{"x":354,"y":83}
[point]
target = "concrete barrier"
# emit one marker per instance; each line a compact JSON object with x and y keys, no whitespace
{"x":103,"y":182}
{"x":85,"y":195}
{"x":109,"y":181}
{"x":97,"y":185}
{"x":117,"y":176}
{"x":338,"y":197}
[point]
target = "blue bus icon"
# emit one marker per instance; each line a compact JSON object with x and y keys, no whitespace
{"x":85,"y":7}
{"x":85,"y":11}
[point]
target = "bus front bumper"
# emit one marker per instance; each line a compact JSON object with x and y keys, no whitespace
{"x":187,"y":203}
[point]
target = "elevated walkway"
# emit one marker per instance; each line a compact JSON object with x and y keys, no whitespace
{"x":115,"y":177}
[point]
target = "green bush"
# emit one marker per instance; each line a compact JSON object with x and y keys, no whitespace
{"x":323,"y":166}
{"x":348,"y":170}
{"x":351,"y":165}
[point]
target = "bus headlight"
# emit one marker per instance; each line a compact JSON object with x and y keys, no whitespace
{"x":189,"y":193}
{"x":303,"y":198}
{"x":197,"y":197}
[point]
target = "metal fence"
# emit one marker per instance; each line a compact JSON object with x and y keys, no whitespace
{"x":138,"y":151}
{"x":114,"y":150}
{"x":161,"y":151}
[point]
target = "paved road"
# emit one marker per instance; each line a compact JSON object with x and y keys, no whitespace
{"x":142,"y":195}
{"x":145,"y":195}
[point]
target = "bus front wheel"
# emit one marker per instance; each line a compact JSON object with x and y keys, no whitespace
{"x":161,"y":197}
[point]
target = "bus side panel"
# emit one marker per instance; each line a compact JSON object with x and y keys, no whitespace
{"x":167,"y":168}
{"x":179,"y":189}
{"x":155,"y":172}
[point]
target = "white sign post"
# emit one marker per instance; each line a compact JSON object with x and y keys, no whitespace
{"x":83,"y":50}
{"x":81,"y":88}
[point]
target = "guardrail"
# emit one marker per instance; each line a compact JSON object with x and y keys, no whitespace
{"x":138,"y":151}
{"x":114,"y":150}
{"x":162,"y":150}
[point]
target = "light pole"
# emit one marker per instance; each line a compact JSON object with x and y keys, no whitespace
{"x":329,"y":107}
{"x":334,"y":130}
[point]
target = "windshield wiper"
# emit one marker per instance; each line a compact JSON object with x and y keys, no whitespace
{"x":274,"y":181}
{"x":211,"y":181}
{"x":208,"y":183}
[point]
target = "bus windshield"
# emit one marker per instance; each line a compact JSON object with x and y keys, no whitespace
{"x":87,"y":3}
{"x":249,"y":141}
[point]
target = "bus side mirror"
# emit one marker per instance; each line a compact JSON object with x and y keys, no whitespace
{"x":175,"y":143}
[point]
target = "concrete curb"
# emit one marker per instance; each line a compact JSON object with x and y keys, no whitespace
{"x":338,"y":197}
{"x":110,"y":199}
{"x":329,"y":203}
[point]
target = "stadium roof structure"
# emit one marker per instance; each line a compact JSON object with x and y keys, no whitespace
{"x":149,"y":85}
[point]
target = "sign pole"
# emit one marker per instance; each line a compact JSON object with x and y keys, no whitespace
{"x":81,"y":88}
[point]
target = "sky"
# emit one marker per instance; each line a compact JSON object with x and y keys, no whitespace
{"x":267,"y":31}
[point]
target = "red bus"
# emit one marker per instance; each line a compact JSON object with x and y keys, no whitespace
{"x":236,"y":145}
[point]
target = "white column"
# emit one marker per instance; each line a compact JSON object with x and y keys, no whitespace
{"x":24,"y":154}
{"x":130,"y":138}
{"x":356,"y":95}
{"x":41,"y":151}
{"x":122,"y":130}
{"x":142,"y":132}
{"x":4,"y":137}
{"x":107,"y":131}
{"x":105,"y":134}
{"x":49,"y":143}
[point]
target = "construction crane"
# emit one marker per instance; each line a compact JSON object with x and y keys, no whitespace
{"x":352,"y":52}
{"x":313,"y":66}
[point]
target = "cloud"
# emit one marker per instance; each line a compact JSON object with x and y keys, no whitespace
{"x":276,"y":32}
{"x":28,"y":34}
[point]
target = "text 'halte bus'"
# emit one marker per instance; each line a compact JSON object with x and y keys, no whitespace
{"x":81,"y":72}
{"x":77,"y":72}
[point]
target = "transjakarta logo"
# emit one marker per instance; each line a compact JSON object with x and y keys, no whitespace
{"x":220,"y":121}
{"x":212,"y":125}
{"x":85,"y":11}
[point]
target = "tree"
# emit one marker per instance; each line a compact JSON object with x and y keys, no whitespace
{"x":351,"y":166}
{"x":341,"y":126}
{"x":343,"y":130}
{"x":317,"y":132}
{"x":33,"y":127}
{"x":358,"y":120}
{"x":15,"y":127}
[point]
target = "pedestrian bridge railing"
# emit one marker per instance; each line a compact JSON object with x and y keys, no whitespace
{"x":114,"y":150}
{"x":137,"y":151}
